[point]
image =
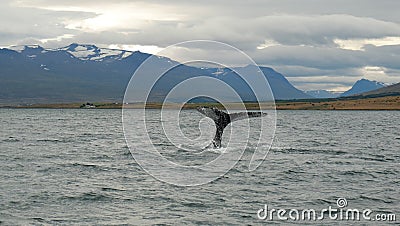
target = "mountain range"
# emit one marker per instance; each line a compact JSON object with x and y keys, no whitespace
{"x":359,"y":87}
{"x":322,"y":93}
{"x":80,"y":73}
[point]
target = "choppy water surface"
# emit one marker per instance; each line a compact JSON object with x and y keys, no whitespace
{"x":73,"y":167}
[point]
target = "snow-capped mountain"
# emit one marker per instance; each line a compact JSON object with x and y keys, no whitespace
{"x":80,"y":51}
{"x":80,"y":73}
{"x":322,"y":93}
{"x":362,"y":86}
{"x":92,"y":52}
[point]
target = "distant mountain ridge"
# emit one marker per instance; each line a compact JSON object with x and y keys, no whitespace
{"x":322,"y":94}
{"x":80,"y":51}
{"x":359,"y":87}
{"x":84,"y":72}
{"x":362,"y":86}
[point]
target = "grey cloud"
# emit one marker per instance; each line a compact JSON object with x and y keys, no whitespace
{"x":242,"y":24}
{"x":302,"y":71}
{"x":317,"y":31}
{"x":317,"y":57}
{"x":385,"y":56}
{"x":383,"y":10}
{"x":34,"y":24}
{"x":248,"y":24}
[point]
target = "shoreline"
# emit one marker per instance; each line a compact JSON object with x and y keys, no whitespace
{"x":375,"y":103}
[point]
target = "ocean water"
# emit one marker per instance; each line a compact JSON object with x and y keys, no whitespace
{"x":65,"y":167}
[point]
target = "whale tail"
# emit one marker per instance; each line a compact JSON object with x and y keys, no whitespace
{"x":222,"y":119}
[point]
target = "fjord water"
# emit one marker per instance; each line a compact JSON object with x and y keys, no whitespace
{"x":74,"y":167}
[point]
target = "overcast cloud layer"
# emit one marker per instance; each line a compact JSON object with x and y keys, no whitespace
{"x":317,"y":44}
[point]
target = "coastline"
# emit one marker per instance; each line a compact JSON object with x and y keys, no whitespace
{"x":373,"y":103}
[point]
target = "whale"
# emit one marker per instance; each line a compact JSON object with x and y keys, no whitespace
{"x":222,"y":119}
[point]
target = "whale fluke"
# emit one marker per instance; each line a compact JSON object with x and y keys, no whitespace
{"x":222,"y":119}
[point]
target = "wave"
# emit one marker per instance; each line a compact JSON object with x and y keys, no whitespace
{"x":89,"y":196}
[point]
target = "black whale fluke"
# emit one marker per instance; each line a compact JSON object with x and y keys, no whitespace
{"x":222,"y":119}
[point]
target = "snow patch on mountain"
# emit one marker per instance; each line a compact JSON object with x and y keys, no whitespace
{"x":92,"y":52}
{"x":21,"y":48}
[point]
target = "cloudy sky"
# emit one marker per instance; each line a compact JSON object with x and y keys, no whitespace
{"x":316,"y":44}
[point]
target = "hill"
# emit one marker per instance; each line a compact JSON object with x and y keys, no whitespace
{"x":385,"y":91}
{"x":362,"y":86}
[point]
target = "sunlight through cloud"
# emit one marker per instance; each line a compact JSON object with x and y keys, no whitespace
{"x":152,"y":49}
{"x":359,"y":44}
